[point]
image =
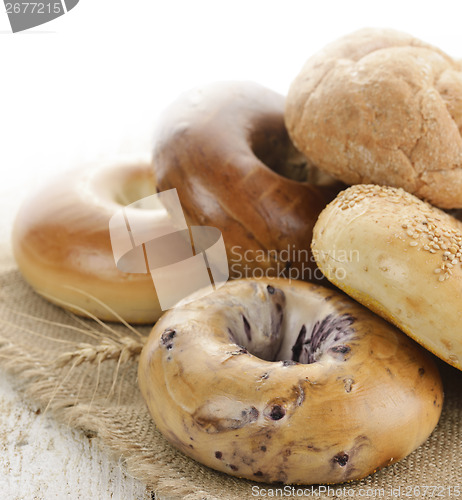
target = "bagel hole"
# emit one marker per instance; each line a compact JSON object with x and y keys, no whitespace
{"x":135,"y":189}
{"x":281,"y":156}
{"x":291,"y":328}
{"x":306,"y":344}
{"x":326,"y":335}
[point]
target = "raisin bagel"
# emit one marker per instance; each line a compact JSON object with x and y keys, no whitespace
{"x":286,"y":381}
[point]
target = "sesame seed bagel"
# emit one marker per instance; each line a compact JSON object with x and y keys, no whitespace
{"x":401,"y":258}
{"x":286,"y":381}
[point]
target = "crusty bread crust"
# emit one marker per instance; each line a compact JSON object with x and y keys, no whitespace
{"x":379,"y":106}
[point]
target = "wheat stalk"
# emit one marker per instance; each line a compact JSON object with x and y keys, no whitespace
{"x":109,"y":344}
{"x":121,"y":350}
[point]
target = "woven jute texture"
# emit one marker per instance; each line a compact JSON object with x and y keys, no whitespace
{"x":85,"y":374}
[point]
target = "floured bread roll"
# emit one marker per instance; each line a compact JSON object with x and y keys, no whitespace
{"x":379,"y":106}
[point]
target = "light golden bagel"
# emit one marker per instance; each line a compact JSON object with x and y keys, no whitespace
{"x":62,"y":244}
{"x":225,"y":148}
{"x":379,"y":106}
{"x":286,"y":381}
{"x":401,"y":258}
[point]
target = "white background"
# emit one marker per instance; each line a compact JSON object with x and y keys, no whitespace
{"x":92,"y":82}
{"x":90,"y":85}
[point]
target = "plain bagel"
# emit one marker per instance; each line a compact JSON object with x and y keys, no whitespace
{"x":62,"y":244}
{"x":400,"y":257}
{"x":282,"y":381}
{"x":226,"y":150}
{"x":379,"y":106}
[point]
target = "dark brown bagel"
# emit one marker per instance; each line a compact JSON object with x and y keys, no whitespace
{"x":226,"y":150}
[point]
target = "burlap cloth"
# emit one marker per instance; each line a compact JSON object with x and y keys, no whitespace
{"x":62,"y":363}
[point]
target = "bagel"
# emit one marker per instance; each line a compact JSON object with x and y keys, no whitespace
{"x":286,"y":381}
{"x":225,"y":148}
{"x":62,"y":245}
{"x":382,"y":107}
{"x":208,"y":148}
{"x":401,"y":258}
